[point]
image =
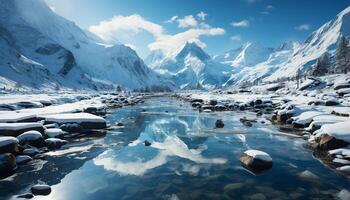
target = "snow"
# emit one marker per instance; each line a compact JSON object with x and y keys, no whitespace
{"x":344,"y":169}
{"x":29,"y":136}
{"x":6,"y":140}
{"x":15,"y":117}
{"x":306,"y":117}
{"x":341,"y":161}
{"x":23,"y":159}
{"x":338,"y":130}
{"x":192,"y":68}
{"x":74,"y":118}
{"x":342,"y":152}
{"x":19,"y":126}
{"x":54,"y":132}
{"x":260,"y":155}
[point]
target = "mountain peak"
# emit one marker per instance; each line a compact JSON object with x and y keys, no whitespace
{"x":192,"y":49}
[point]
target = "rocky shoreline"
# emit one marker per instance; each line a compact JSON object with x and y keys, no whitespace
{"x":332,"y":150}
{"x":30,"y":129}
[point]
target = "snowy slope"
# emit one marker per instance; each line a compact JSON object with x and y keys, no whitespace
{"x":264,"y":69}
{"x":255,"y":63}
{"x":61,"y":47}
{"x":248,"y":55}
{"x":117,"y":63}
{"x":29,"y":59}
{"x":320,"y":41}
{"x":191,"y":68}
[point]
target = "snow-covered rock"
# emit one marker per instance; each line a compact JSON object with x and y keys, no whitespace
{"x":55,"y":143}
{"x":86,"y":120}
{"x":14,"y":129}
{"x":256,"y":160}
{"x":23,"y":159}
{"x":344,"y":169}
{"x":40,"y":189}
{"x":54,"y":132}
{"x":33,"y":138}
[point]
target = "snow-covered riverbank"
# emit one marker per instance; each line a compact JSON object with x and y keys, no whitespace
{"x":318,"y":110}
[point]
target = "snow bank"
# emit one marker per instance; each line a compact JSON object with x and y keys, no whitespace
{"x":306,"y":117}
{"x":19,"y":126}
{"x":339,"y":130}
{"x":74,"y":118}
{"x":10,"y":117}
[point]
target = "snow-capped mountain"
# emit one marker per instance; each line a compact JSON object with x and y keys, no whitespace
{"x":253,"y":63}
{"x":320,"y":41}
{"x":264,"y":69}
{"x":247,"y":55}
{"x":191,"y":68}
{"x":59,"y":46}
{"x":29,"y":59}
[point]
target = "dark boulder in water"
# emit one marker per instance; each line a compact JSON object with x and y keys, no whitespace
{"x":219,"y":124}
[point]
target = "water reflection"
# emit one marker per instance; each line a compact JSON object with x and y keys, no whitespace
{"x":137,"y":159}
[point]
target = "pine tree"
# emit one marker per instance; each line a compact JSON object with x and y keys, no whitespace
{"x":342,"y":56}
{"x":321,"y":67}
{"x":298,"y":75}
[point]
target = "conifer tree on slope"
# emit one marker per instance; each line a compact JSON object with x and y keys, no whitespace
{"x":342,"y":56}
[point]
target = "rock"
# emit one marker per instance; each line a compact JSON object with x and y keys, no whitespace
{"x":54,"y":132}
{"x":32,"y":151}
{"x":196,"y":105}
{"x":307,"y":175}
{"x":219,"y":124}
{"x":33,"y":138}
{"x":41,"y":189}
{"x":120,"y":124}
{"x":247,"y":123}
{"x":328,"y":142}
{"x":26,"y":196}
{"x":9,"y":144}
{"x":343,"y":195}
{"x":71,"y":128}
{"x":55,"y":143}
{"x":344,"y":169}
{"x":23,"y":159}
{"x":256,"y":161}
{"x":15,"y":129}
{"x":7,"y":164}
{"x":213,"y":102}
{"x":197,"y":100}
{"x":332,"y":102}
{"x":147,"y":143}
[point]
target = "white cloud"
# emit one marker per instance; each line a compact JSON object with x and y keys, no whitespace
{"x":125,"y":26}
{"x":121,"y":27}
{"x":269,"y":7}
{"x":235,"y":37}
{"x":251,"y":1}
{"x":201,"y":15}
{"x":169,"y":43}
{"x":243,"y":23}
{"x":172,"y":19}
{"x":303,"y":27}
{"x":187,"y":21}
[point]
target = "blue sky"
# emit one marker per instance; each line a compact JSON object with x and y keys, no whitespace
{"x":222,"y":24}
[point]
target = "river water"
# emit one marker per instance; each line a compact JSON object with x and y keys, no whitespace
{"x":187,"y":159}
